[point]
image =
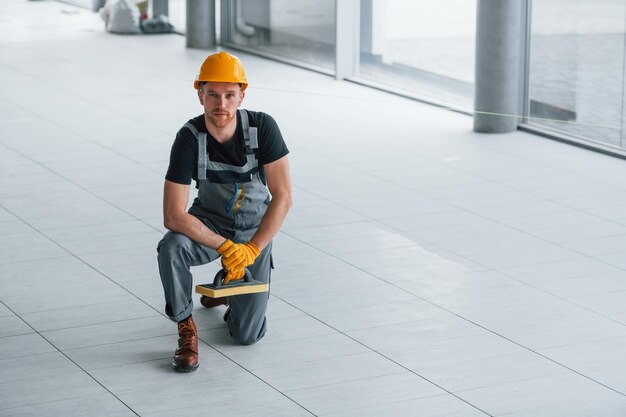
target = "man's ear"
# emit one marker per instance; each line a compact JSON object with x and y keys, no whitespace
{"x":243,"y":94}
{"x":200,"y":95}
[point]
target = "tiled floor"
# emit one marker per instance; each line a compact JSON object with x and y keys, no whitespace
{"x":424,"y":270}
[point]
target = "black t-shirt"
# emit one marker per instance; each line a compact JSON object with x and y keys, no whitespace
{"x":184,"y":155}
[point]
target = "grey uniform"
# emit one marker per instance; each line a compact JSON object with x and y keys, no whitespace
{"x":231,"y":201}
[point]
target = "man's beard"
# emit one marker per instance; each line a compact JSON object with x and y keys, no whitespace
{"x":222,"y":121}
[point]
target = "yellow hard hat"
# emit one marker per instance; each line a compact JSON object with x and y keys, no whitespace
{"x":221,"y":67}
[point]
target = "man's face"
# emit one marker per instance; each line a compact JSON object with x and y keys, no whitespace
{"x":220,"y":101}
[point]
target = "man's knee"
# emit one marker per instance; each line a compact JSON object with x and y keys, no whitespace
{"x":247,"y":335}
{"x":246,"y":339}
{"x":172,"y":245}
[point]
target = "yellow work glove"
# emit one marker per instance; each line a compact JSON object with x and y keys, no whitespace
{"x":236,"y":256}
{"x":234,"y":274}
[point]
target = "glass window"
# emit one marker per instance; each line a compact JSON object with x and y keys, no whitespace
{"x":177,"y":15}
{"x":422,"y":47}
{"x":576,"y":70}
{"x":299,"y":30}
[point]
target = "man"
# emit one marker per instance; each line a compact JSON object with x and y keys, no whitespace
{"x":237,"y":159}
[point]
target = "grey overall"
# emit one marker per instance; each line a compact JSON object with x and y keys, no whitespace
{"x":231,"y":201}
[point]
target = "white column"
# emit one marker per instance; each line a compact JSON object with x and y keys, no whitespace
{"x":346,"y":22}
{"x":200,"y":32}
{"x":499,"y":37}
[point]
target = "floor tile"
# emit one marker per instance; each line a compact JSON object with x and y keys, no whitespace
{"x":548,"y":396}
{"x":499,"y":317}
{"x":464,"y":293}
{"x":581,"y":232}
{"x":605,"y":405}
{"x":587,"y":285}
{"x":45,"y":389}
{"x":380,"y":315}
{"x":505,"y":241}
{"x":99,"y":405}
{"x":150,"y":387}
{"x":605,"y":303}
{"x":321,"y":214}
{"x":363,"y":393}
{"x":444,"y":405}
{"x":490,"y":370}
{"x":39,"y":366}
{"x":144,"y":254}
{"x":548,"y":226}
{"x":328,"y":371}
{"x":615,"y":259}
{"x":599,"y":354}
{"x":113,"y":332}
{"x":85,"y":315}
{"x":597,"y":246}
{"x":24,"y":345}
{"x":330,"y":233}
{"x":19,"y":278}
{"x":523,"y":256}
{"x":31,"y":247}
{"x":341,"y":279}
{"x":378,"y":241}
{"x":440,"y":352}
{"x":562,"y":333}
{"x":503,"y":213}
{"x":483,"y":229}
{"x":279,"y":309}
{"x":109,"y":244}
{"x":14,"y":227}
{"x":295,"y":328}
{"x":411,"y":335}
{"x":266,"y":403}
{"x":349,"y":299}
{"x":4,"y":311}
{"x":13,"y":325}
{"x":66,"y":295}
{"x":267,"y":354}
{"x":567,"y":268}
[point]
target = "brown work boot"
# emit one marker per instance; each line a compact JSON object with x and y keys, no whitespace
{"x":186,"y":356}
{"x":209,"y":302}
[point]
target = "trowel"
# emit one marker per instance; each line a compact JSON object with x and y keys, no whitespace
{"x":218,"y":289}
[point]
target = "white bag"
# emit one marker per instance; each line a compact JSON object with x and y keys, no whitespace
{"x":121,"y":16}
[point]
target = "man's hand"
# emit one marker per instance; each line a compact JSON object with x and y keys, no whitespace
{"x":236,"y":256}
{"x":234,"y":275}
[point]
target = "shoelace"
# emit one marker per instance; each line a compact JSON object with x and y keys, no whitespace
{"x":186,"y":345}
{"x":186,"y":336}
{"x":184,"y":328}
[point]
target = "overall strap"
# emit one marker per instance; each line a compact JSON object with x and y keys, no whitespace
{"x":202,"y":160}
{"x":250,"y":137}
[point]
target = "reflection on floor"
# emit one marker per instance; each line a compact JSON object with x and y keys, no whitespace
{"x":423,"y":270}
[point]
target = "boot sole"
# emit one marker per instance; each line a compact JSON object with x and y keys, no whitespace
{"x":184,"y":368}
{"x":208,"y":302}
